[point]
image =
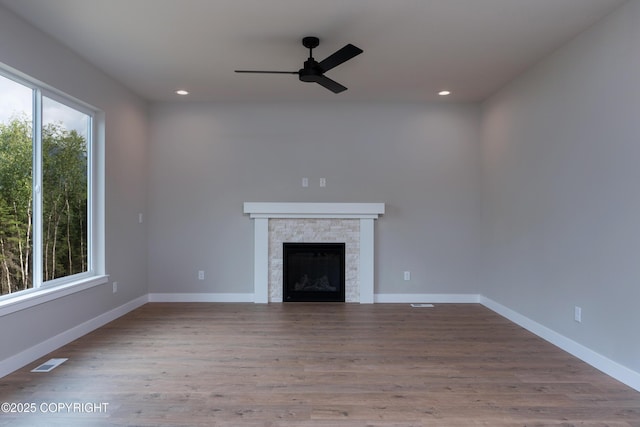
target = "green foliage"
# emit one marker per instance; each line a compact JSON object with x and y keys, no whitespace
{"x":64,"y":203}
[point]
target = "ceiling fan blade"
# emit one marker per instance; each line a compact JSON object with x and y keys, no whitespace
{"x":340,"y":56}
{"x":332,"y":85}
{"x":266,"y":72}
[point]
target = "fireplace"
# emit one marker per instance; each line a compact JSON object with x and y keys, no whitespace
{"x":275,"y":223}
{"x":313,"y":272}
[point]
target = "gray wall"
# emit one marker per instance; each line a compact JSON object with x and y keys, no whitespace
{"x":207,"y":159}
{"x":561,"y":201}
{"x":30,"y":51}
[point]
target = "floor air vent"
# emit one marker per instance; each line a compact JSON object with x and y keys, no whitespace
{"x":49,"y":365}
{"x":421,"y":305}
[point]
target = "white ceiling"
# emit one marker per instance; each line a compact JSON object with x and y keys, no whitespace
{"x":412,"y":48}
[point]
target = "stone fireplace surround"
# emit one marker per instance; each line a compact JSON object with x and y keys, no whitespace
{"x":349,"y":222}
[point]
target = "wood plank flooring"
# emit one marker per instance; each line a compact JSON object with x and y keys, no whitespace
{"x":316,"y":364}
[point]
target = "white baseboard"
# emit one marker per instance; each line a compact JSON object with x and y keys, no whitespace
{"x":200,"y":297}
{"x":608,"y":366}
{"x":427,"y":298}
{"x":31,"y":354}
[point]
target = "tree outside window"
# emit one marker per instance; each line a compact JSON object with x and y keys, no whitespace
{"x":56,"y":179}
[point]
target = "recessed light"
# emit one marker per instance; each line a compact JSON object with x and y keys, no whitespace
{"x":444,"y":93}
{"x":182,"y":92}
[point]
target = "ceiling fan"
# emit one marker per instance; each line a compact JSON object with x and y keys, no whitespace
{"x":313,"y":71}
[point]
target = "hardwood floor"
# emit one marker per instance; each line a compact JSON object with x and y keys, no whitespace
{"x":320,"y":365}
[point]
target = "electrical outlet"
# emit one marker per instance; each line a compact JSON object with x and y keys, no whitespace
{"x":407,"y":275}
{"x":577,"y":314}
{"x":115,"y":287}
{"x":323,"y":182}
{"x":200,"y":275}
{"x":305,"y":182}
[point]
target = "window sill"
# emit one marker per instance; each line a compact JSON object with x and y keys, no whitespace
{"x":34,"y":297}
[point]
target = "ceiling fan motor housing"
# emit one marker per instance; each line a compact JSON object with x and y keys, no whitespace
{"x":310,"y":72}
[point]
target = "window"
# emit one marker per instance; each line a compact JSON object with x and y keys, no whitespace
{"x":48,"y":192}
{"x":66,"y":133}
{"x":16,"y":158}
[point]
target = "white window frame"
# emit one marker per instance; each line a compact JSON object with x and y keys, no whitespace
{"x":95,"y":275}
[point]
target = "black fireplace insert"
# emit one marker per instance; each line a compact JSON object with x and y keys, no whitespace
{"x":313,"y":272}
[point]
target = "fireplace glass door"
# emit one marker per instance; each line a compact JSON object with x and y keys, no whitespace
{"x":313,"y":272}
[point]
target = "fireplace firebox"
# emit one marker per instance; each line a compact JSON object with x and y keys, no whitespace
{"x":313,"y":272}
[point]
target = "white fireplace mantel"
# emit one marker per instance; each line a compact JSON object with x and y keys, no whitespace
{"x":261,"y":212}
